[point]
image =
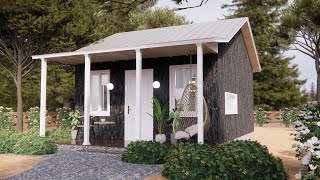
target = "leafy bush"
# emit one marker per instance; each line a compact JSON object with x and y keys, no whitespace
{"x":60,"y":134}
{"x":261,"y":116}
{"x":145,"y":152}
{"x":189,"y":161}
{"x":31,"y":144}
{"x":34,"y":117}
{"x":8,"y":138}
{"x":68,"y":118}
{"x":6,"y":118}
{"x":289,"y":115}
{"x":246,"y":160}
{"x":232,"y":160}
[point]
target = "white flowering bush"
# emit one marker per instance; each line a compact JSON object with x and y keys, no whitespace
{"x":261,"y":116}
{"x":34,"y":117}
{"x":308,"y":137}
{"x":287,"y":116}
{"x":6,"y":117}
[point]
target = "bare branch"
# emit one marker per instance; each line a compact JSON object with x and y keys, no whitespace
{"x":190,"y":7}
{"x":296,"y":48}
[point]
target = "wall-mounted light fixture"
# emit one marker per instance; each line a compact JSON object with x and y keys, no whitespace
{"x":110,"y":86}
{"x":156,"y":84}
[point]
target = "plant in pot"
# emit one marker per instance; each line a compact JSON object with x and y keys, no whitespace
{"x":74,"y":117}
{"x":160,"y":115}
{"x":170,"y":123}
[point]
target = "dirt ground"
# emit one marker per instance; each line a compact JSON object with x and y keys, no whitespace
{"x":12,"y":165}
{"x":279,"y":142}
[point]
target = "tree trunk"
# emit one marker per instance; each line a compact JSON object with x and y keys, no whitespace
{"x":19,"y":100}
{"x":318,"y":87}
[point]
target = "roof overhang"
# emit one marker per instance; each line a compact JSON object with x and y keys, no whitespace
{"x":166,"y":49}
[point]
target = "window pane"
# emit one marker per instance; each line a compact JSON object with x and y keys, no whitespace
{"x":183,"y":76}
{"x":105,"y":98}
{"x":104,"y":92}
{"x":95,"y":100}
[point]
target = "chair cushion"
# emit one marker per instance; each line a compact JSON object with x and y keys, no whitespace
{"x":192,"y":130}
{"x":181,"y":135}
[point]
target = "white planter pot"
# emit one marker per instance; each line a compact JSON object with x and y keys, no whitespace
{"x":172,"y":139}
{"x":161,"y":138}
{"x":74,"y":134}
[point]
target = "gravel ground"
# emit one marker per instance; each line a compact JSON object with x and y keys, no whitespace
{"x":77,"y":165}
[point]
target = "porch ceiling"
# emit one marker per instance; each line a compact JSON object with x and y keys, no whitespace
{"x":131,"y":54}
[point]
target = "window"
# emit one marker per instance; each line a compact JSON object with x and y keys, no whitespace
{"x":100,"y":96}
{"x":180,"y":77}
{"x":231,"y":103}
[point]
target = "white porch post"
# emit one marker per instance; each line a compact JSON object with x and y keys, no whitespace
{"x":86,"y":115}
{"x":138,"y":93}
{"x":43,"y":97}
{"x":200,"y":91}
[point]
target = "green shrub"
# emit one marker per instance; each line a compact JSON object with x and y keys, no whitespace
{"x":189,"y":161}
{"x":145,"y":152}
{"x":32,"y":144}
{"x":246,"y":160}
{"x":68,"y":118}
{"x":60,"y":134}
{"x":289,"y":115}
{"x":8,"y":138}
{"x":261,"y":116}
{"x":232,"y":160}
{"x":6,"y":118}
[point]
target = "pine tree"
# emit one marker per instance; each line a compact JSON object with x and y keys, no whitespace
{"x":277,"y":85}
{"x":312,"y":93}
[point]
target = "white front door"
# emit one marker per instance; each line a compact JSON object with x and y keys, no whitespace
{"x":146,"y":105}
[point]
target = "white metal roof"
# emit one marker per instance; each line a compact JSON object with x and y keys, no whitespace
{"x":162,"y":42}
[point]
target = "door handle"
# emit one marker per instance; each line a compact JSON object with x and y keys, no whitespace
{"x":128,"y":109}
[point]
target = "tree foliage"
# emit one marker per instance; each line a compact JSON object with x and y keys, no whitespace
{"x":103,"y":23}
{"x":29,"y":27}
{"x":278,"y":84}
{"x":301,"y":23}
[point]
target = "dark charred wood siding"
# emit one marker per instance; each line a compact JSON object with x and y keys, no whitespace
{"x":235,"y":75}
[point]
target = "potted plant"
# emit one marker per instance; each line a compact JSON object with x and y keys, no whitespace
{"x":74,"y":117}
{"x":170,"y":122}
{"x":160,"y":115}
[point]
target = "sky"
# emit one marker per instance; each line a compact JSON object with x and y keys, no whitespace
{"x":212,"y":11}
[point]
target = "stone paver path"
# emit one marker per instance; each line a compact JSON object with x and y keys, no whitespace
{"x":74,"y":165}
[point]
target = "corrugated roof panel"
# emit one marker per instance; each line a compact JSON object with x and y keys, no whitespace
{"x":221,"y":30}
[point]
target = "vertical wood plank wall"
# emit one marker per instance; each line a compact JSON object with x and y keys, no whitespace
{"x":235,"y":75}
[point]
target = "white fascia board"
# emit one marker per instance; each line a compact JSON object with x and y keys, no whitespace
{"x":147,"y":46}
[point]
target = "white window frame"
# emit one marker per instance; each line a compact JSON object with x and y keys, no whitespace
{"x":172,"y":69}
{"x":99,"y":112}
{"x":230,"y":103}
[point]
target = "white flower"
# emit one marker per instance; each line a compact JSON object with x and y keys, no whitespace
{"x":318,"y":123}
{"x":312,"y":167}
{"x":306,"y":159}
{"x":316,"y":154}
{"x":305,"y":131}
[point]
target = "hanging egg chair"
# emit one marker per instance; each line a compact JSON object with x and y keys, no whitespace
{"x":185,"y":121}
